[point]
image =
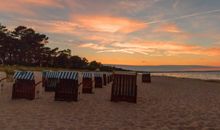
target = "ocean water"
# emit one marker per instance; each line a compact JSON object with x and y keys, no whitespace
{"x":192,"y":75}
{"x":181,"y":71}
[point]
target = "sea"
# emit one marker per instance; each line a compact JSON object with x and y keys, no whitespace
{"x":180,"y":71}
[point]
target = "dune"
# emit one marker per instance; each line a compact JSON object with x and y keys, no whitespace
{"x":165,"y":104}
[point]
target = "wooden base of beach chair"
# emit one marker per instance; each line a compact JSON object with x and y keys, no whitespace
{"x":23,"y":89}
{"x":67,"y":90}
{"x":98,"y":82}
{"x":87,"y":86}
{"x":124,"y":88}
{"x":146,"y":78}
{"x":104,"y":79}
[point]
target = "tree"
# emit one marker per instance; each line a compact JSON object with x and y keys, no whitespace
{"x":25,"y":46}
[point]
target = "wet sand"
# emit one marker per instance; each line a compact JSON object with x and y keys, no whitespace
{"x":165,"y":104}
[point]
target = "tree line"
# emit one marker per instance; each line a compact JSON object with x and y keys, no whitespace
{"x":24,"y":46}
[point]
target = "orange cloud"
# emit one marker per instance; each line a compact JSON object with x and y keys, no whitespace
{"x":156,"y":48}
{"x":52,"y":26}
{"x":41,"y":2}
{"x":109,"y":24}
{"x":170,"y":28}
{"x":92,"y":46}
{"x":23,"y":6}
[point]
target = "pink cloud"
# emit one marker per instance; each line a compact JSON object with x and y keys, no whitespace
{"x":109,"y":24}
{"x":24,"y":6}
{"x":168,"y":28}
{"x":157,"y":48}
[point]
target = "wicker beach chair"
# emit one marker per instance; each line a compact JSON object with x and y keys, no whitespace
{"x":68,"y":86}
{"x":108,"y":77}
{"x":87,"y":82}
{"x":27,"y":85}
{"x":98,"y":79}
{"x":104,"y":79}
{"x":146,"y":78}
{"x":50,"y":80}
{"x":124,"y":87}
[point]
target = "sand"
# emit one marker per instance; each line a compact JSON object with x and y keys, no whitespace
{"x":165,"y":104}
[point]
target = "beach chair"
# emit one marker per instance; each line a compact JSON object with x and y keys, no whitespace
{"x":124,"y":87}
{"x":104,"y":79}
{"x":146,"y":77}
{"x":27,"y":85}
{"x":44,"y":79}
{"x":50,"y":80}
{"x":108,"y":78}
{"x":87,"y":82}
{"x":98,"y":79}
{"x":3,"y":78}
{"x":67,"y":88}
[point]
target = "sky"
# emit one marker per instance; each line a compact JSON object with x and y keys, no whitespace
{"x":129,"y":32}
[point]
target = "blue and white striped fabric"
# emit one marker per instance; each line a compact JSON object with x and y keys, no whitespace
{"x":98,"y":74}
{"x":68,"y":75}
{"x":87,"y":75}
{"x":51,"y":74}
{"x":24,"y":75}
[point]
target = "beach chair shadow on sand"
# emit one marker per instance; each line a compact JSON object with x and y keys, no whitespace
{"x":124,"y":87}
{"x":68,"y":87}
{"x":27,"y":85}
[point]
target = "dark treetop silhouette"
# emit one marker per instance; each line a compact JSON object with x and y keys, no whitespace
{"x":24,"y":46}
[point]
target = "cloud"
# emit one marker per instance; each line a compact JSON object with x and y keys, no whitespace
{"x":92,"y":46}
{"x":82,"y":25}
{"x":184,"y":16}
{"x":154,"y":48}
{"x":24,"y":7}
{"x":168,"y":27}
{"x":51,"y":26}
{"x":109,"y":24}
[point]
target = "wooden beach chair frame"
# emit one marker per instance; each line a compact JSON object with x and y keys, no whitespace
{"x":146,"y":77}
{"x":26,"y":87}
{"x":98,"y":79}
{"x":104,"y":79}
{"x":124,"y":87}
{"x":87,"y":82}
{"x":68,"y":88}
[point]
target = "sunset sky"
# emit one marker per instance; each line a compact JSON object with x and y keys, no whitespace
{"x":132,"y":32}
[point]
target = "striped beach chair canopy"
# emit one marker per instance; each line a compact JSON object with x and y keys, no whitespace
{"x":87,"y":74}
{"x":98,"y":74}
{"x":51,"y":74}
{"x":26,"y":75}
{"x":68,"y":75}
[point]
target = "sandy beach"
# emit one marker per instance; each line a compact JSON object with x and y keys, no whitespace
{"x":165,"y":104}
